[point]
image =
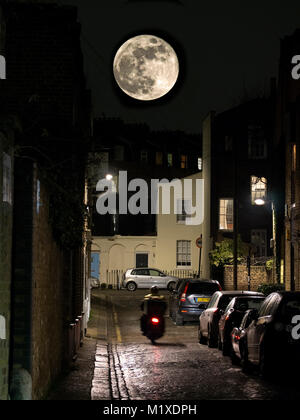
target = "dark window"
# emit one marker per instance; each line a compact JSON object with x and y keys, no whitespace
{"x":154,"y":273}
{"x":142,"y":260}
{"x":203,"y":289}
{"x":142,"y":272}
{"x":246,"y":304}
{"x":224,"y":302}
{"x":257,"y":145}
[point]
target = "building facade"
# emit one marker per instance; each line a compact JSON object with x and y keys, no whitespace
{"x":6,"y":225}
{"x":172,"y":249}
{"x":287,"y":141}
{"x":238,"y":173}
{"x":45,"y":90}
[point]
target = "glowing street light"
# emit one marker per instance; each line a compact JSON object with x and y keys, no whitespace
{"x":260,"y":202}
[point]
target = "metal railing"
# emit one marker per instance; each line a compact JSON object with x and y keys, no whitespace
{"x":114,"y":278}
{"x":74,"y":339}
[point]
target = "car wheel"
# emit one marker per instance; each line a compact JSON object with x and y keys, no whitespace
{"x":179,"y":320}
{"x":246,"y":367}
{"x":225,"y":349}
{"x":131,"y":286}
{"x":210,"y":341}
{"x":201,"y":339}
{"x":220,"y":346}
{"x":234,"y":359}
{"x":264,"y":363}
{"x":171,"y":286}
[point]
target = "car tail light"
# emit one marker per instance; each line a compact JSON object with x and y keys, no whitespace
{"x":155,"y":321}
{"x":183,"y":296}
{"x":220,"y":288}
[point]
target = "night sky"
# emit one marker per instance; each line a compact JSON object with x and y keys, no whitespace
{"x":228,"y":50}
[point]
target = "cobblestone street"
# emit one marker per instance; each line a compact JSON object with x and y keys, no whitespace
{"x":128,"y":367}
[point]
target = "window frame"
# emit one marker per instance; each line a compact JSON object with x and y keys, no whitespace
{"x":188,"y":242}
{"x":224,"y":215}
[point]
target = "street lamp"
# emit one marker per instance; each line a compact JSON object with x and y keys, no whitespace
{"x":261,"y":202}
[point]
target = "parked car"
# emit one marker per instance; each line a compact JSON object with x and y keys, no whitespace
{"x":190,"y":298}
{"x":208,"y":331}
{"x":144,"y":278}
{"x":269,"y":341}
{"x":233,"y":316}
{"x":238,"y":337}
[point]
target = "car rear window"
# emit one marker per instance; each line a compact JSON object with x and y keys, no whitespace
{"x":245,"y":304}
{"x":202,"y":288}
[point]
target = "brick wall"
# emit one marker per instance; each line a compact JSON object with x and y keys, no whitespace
{"x":5,"y":272}
{"x":47,"y":297}
{"x":259,"y":275}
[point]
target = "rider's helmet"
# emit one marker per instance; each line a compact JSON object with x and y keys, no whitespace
{"x":154,"y":290}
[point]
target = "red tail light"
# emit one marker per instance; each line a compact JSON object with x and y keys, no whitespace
{"x":220,"y":288}
{"x":183,"y":296}
{"x":155,"y":321}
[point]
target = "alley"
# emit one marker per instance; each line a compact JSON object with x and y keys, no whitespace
{"x":128,"y":367}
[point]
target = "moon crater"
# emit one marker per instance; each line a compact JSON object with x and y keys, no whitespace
{"x":146,"y":67}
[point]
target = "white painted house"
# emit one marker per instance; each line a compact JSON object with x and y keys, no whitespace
{"x":174,"y":249}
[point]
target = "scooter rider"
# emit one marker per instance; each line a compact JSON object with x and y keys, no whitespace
{"x":153,"y":304}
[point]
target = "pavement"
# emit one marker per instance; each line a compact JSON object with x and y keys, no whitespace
{"x":89,"y":375}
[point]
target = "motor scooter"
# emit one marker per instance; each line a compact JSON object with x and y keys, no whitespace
{"x":154,"y":327}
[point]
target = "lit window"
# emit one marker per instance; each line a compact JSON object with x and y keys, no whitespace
{"x":183,"y":254}
{"x":184,"y":161}
{"x":170,"y":160}
{"x":294,"y":158}
{"x":200,"y":162}
{"x":159,"y":158}
{"x":184,"y":208}
{"x":226,"y":214}
{"x":258,"y":189}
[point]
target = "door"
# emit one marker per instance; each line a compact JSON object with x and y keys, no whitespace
{"x":143,"y":278}
{"x":157,"y":279}
{"x":141,"y":260}
{"x":95,"y":265}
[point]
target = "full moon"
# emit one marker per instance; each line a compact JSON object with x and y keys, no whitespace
{"x":146,"y":67}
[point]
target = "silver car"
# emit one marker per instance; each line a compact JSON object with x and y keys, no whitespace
{"x":144,"y":278}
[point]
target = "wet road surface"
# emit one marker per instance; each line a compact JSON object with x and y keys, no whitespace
{"x":177,"y":368}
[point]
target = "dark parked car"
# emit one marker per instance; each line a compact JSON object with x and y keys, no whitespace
{"x":238,"y":337}
{"x":233,"y":316}
{"x":190,"y":298}
{"x":269,"y":340}
{"x":209,"y":319}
